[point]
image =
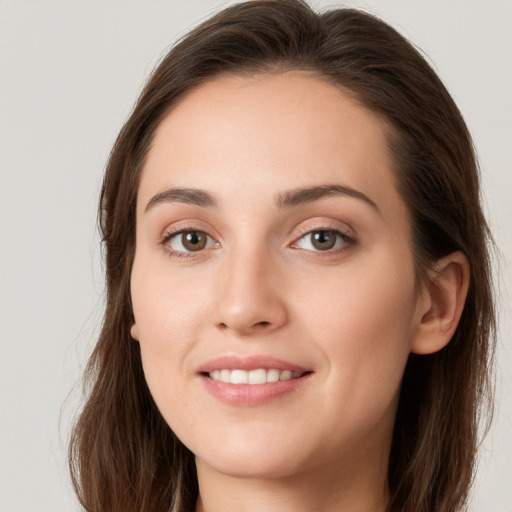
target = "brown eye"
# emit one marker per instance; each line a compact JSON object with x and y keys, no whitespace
{"x":323,"y":240}
{"x":194,"y":241}
{"x":190,"y":241}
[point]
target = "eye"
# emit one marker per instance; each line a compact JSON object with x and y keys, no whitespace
{"x":323,"y":240}
{"x":189,"y":241}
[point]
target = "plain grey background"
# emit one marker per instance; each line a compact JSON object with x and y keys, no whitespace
{"x":69,"y":73}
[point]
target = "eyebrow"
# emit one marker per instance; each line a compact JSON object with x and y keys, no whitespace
{"x":288,"y":199}
{"x":183,"y":195}
{"x":310,"y":194}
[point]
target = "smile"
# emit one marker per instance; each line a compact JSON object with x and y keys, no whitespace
{"x":252,"y":380}
{"x":254,"y":377}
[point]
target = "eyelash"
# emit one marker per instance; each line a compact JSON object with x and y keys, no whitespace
{"x":347,"y":241}
{"x":170,"y":235}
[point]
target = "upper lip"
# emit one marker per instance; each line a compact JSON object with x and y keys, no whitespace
{"x":248,"y":363}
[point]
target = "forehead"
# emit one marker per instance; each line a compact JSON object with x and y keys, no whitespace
{"x":269,"y":133}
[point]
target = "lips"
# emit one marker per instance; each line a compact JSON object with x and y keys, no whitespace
{"x":250,"y":381}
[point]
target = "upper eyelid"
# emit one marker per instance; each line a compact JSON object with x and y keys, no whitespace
{"x":172,"y":234}
{"x":341,"y":227}
{"x":325,"y":228}
{"x":188,"y":225}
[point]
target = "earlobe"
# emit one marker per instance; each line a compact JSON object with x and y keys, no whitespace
{"x":444,"y":296}
{"x":134,"y":331}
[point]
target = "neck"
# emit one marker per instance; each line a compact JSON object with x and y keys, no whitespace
{"x":330,"y":489}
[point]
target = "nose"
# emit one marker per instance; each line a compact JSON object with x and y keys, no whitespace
{"x":251,"y":300}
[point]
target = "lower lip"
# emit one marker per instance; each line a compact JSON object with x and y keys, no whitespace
{"x":252,"y":394}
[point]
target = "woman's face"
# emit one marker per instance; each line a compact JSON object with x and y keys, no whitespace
{"x":272,"y":244}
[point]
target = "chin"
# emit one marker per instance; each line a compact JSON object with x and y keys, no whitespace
{"x":250,"y":458}
{"x":266,"y":467}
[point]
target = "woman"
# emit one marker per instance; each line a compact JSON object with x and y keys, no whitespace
{"x":299,"y":311}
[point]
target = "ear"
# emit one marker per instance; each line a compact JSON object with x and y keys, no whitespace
{"x":134,"y":331}
{"x":441,"y":304}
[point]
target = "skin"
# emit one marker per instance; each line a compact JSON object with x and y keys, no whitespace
{"x":350,"y":315}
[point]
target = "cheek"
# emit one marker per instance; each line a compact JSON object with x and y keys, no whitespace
{"x":374,"y":294}
{"x":363,"y":320}
{"x":166,"y":308}
{"x":167,"y":315}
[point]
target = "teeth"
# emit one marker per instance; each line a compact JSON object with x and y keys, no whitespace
{"x":273,"y":375}
{"x":259,"y":376}
{"x":285,"y":375}
{"x":239,"y":377}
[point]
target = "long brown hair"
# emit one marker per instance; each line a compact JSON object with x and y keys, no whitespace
{"x":123,"y":456}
